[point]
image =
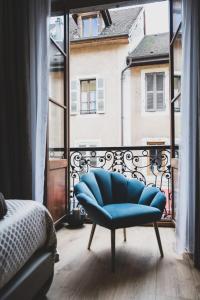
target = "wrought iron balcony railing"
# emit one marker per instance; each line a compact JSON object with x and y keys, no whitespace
{"x":150,"y":164}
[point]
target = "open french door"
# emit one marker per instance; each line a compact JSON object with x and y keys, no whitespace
{"x":58,"y":120}
{"x":175,"y":91}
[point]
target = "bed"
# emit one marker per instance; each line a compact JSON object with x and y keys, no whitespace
{"x":27,"y":251}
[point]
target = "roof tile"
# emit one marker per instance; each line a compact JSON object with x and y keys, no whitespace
{"x":122,"y":21}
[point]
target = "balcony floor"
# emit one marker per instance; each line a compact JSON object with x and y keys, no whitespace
{"x":140,"y":273}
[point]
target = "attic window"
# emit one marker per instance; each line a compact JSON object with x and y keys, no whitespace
{"x":90,"y":26}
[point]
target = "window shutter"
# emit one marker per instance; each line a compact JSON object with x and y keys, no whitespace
{"x":74,"y":97}
{"x":149,"y":101}
{"x":100,"y":94}
{"x":160,"y":101}
{"x":149,"y":78}
{"x":160,"y":105}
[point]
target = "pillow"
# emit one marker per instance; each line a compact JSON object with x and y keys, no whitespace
{"x":3,"y":206}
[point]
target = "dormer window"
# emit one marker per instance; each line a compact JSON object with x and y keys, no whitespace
{"x":90,"y":26}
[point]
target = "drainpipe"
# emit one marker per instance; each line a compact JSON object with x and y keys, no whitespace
{"x":122,"y":102}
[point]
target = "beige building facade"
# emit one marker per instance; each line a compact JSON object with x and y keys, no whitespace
{"x":104,"y":59}
{"x":111,"y":106}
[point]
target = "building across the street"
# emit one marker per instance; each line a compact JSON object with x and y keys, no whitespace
{"x":119,"y":79}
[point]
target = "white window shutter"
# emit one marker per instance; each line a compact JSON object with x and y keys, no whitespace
{"x":149,"y":83}
{"x":150,"y":101}
{"x":160,"y":101}
{"x":100,"y":95}
{"x":74,"y":97}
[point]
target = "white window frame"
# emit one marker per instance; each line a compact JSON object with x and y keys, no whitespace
{"x":97,"y":142}
{"x":89,"y":112}
{"x":88,"y":77}
{"x":89,"y":18}
{"x":145,"y":71}
{"x":88,"y":143}
{"x":155,"y":92}
{"x":178,"y":74}
{"x":147,"y":140}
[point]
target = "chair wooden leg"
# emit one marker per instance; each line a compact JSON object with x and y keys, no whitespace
{"x":124,"y":230}
{"x":158,"y":239}
{"x":91,"y":235}
{"x":113,"y":250}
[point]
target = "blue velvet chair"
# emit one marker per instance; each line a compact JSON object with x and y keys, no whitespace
{"x":113,"y":201}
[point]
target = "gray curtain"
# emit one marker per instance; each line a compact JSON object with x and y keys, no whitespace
{"x":197,"y":203}
{"x":23,"y":97}
{"x":188,"y":210}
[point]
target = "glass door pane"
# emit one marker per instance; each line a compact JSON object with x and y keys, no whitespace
{"x":57,"y":164}
{"x":177,"y":120}
{"x":56,"y":131}
{"x":177,"y":14}
{"x":57,"y":30}
{"x":176,"y":70}
{"x":56,"y":75}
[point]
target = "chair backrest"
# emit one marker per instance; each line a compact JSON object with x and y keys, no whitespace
{"x":111,"y":187}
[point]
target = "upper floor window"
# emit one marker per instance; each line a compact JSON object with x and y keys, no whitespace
{"x":90,"y":26}
{"x":88,"y":97}
{"x":154,"y":91}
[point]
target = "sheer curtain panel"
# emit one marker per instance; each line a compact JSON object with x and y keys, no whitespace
{"x":188,"y":210}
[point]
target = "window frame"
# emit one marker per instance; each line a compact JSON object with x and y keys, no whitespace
{"x":88,"y":111}
{"x":154,"y":91}
{"x":175,"y":34}
{"x":91,"y":29}
{"x":87,"y":153}
{"x":153,"y":143}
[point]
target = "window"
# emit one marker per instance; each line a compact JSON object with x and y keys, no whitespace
{"x":88,"y":97}
{"x":90,"y":26}
{"x":177,"y":85}
{"x":57,"y":28}
{"x":154,"y":91}
{"x":89,"y":158}
{"x":155,"y":158}
{"x":177,"y":90}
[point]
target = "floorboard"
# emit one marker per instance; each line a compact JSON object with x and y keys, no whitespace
{"x":140,"y":272}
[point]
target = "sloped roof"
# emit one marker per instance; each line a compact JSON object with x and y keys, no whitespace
{"x":122,"y":20}
{"x":152,"y":46}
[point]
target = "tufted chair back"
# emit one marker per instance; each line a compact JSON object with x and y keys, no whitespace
{"x":105,"y":188}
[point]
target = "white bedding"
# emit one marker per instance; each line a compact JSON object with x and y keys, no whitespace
{"x":26,"y":228}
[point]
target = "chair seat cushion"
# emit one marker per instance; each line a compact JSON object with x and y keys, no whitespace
{"x":129,"y":214}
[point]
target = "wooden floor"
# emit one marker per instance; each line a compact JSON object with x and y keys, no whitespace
{"x":140,"y":272}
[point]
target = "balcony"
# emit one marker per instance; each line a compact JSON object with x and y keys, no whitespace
{"x":150,"y":164}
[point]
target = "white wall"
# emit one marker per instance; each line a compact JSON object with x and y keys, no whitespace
{"x":137,"y":31}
